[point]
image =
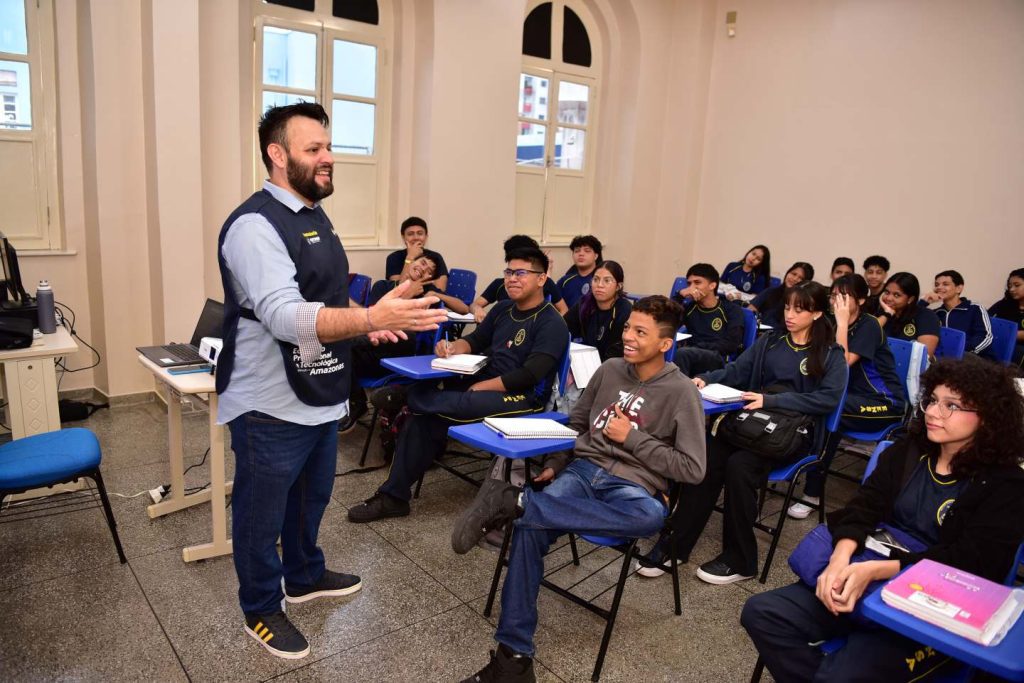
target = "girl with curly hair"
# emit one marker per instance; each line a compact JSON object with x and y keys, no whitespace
{"x":954,"y":484}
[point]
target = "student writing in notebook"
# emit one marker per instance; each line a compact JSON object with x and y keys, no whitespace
{"x":954,"y":485}
{"x":641,"y":426}
{"x":716,"y":324}
{"x":524,"y":337}
{"x":599,"y":317}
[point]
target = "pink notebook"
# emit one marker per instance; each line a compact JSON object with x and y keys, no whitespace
{"x":958,"y":601}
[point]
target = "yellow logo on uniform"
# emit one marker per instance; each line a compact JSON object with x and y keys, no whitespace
{"x":909,"y":330}
{"x":803,"y":367}
{"x":520,"y":337}
{"x":716,"y":324}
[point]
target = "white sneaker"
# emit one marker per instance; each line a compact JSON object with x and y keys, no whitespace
{"x":649,"y":572}
{"x":801,"y":511}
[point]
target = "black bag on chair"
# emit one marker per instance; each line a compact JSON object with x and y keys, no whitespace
{"x":774,"y":433}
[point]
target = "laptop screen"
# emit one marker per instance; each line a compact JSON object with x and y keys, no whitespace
{"x":211,"y":322}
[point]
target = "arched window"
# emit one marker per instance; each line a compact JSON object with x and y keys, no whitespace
{"x":557,"y":117}
{"x":331,"y":51}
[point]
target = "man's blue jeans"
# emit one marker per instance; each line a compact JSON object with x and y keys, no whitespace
{"x":284,"y":474}
{"x":583,"y":499}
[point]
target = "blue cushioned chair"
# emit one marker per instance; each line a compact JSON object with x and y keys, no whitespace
{"x":951,"y":343}
{"x":774,"y":282}
{"x":1004,"y":337}
{"x":677,"y":284}
{"x":55,"y":458}
{"x":359,"y":289}
{"x":462,"y":284}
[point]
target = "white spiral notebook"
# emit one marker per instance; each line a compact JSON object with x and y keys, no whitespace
{"x":529,"y":428}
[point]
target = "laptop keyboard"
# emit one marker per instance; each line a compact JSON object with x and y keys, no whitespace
{"x":185,"y":352}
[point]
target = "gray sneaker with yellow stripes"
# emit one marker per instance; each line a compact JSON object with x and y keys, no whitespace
{"x":277,"y":634}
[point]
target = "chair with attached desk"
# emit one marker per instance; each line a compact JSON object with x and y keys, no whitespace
{"x":1004,"y":338}
{"x":55,"y":458}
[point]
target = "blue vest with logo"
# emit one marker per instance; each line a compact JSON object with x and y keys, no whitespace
{"x":321,"y":270}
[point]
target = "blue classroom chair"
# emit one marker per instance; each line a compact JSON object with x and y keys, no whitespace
{"x":359,"y":289}
{"x":951,"y":343}
{"x":1004,"y":337}
{"x":462,"y":284}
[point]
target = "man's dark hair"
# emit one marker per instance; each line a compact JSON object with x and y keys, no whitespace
{"x":274,"y":125}
{"x":704,"y":270}
{"x":956,"y":277}
{"x":537,"y":258}
{"x":587,"y":241}
{"x":431,"y":258}
{"x":412,"y":221}
{"x":843,"y":261}
{"x":877,"y":260}
{"x":519,"y":242}
{"x":989,"y":389}
{"x":853,"y":285}
{"x":666,"y":313}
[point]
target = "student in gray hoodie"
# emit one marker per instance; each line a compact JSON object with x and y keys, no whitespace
{"x":800,"y":369}
{"x":641,"y":426}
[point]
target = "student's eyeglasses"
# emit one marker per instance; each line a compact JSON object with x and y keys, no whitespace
{"x":520,"y":273}
{"x":946,"y":408}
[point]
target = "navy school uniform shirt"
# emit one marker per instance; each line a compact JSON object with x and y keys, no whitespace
{"x":771,"y":314}
{"x":751,"y":283}
{"x":925,"y":500}
{"x":601,"y":329}
{"x":874,"y":374}
{"x":719,"y":328}
{"x":509,"y":336}
{"x":972,"y":320}
{"x":574,"y":286}
{"x":922,"y":322}
{"x":396,"y":261}
{"x":382,"y":287}
{"x":496,"y":291}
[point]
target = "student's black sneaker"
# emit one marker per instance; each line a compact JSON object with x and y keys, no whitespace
{"x":330,"y":585}
{"x":719,"y":573}
{"x":653,"y":563}
{"x":391,"y":397}
{"x":505,"y":667}
{"x":277,"y":635}
{"x":378,"y":506}
{"x":496,"y":503}
{"x":348,"y":423}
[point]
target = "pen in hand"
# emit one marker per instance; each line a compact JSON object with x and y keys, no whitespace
{"x":447,"y":345}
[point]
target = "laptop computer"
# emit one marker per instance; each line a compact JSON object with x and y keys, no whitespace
{"x":211,"y":323}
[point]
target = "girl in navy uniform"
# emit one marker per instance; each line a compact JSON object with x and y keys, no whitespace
{"x":874,"y":397}
{"x":770,"y":303}
{"x":751,"y":274}
{"x":586,"y":257}
{"x":799,"y":368}
{"x":598,"y":319}
{"x":954,"y":484}
{"x":1011,"y":307}
{"x":902,"y":318}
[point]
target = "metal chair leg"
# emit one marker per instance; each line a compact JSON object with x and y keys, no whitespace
{"x":627,"y":560}
{"x":98,"y":478}
{"x":369,"y":436}
{"x":777,"y":530}
{"x":674,"y":554}
{"x":575,"y":552}
{"x":758,"y":670}
{"x":502,"y":554}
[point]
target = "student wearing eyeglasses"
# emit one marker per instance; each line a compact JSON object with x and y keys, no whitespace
{"x":496,"y":291}
{"x":954,"y":485}
{"x":524,"y":338}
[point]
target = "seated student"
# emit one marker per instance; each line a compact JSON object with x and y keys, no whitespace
{"x":902,"y":318}
{"x":769,"y":304}
{"x":1011,"y":307}
{"x":753,"y":273}
{"x":586,"y":256}
{"x":639,"y":418}
{"x":842,"y":266}
{"x":799,"y":368}
{"x":875,"y":397}
{"x":962,"y":455}
{"x":524,"y":337}
{"x":715,"y":323}
{"x":496,"y":290}
{"x":876,"y":270}
{"x":599,"y":318}
{"x":959,"y":312}
{"x":414,"y":234}
{"x":366,"y":356}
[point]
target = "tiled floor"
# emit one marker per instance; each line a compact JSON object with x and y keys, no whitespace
{"x":70,"y":611}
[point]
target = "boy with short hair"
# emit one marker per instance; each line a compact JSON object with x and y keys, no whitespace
{"x":496,"y":291}
{"x":876,"y":270}
{"x":641,"y":426}
{"x":399,"y":263}
{"x":959,"y":312}
{"x":586,"y":257}
{"x":843,"y":265}
{"x":715,"y":323}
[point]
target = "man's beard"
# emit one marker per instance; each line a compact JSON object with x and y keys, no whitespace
{"x":303,"y":179}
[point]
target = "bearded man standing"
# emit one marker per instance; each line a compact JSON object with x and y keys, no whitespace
{"x":283,"y":374}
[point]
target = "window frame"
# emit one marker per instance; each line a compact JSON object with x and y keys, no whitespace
{"x":327,"y":29}
{"x":48,"y":233}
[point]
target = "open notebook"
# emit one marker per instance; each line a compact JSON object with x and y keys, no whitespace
{"x":584,"y":361}
{"x":529,"y":428}
{"x":462,"y":363}
{"x":719,"y":393}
